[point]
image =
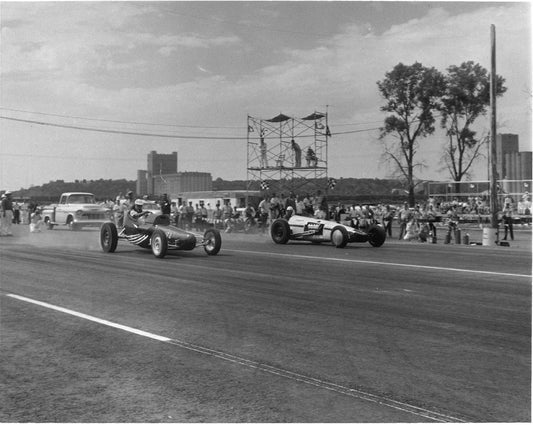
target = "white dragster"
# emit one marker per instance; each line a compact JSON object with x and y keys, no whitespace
{"x":302,"y":228}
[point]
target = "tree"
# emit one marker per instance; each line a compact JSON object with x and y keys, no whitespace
{"x":412,"y":93}
{"x":467,"y":97}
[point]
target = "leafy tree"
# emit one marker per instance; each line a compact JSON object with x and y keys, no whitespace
{"x":466,"y":98}
{"x":412,"y":93}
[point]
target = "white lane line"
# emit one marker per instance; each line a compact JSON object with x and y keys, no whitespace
{"x":330,"y":386}
{"x":91,"y":318}
{"x":380,"y":263}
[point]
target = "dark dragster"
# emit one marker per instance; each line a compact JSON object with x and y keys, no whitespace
{"x":156,"y":233}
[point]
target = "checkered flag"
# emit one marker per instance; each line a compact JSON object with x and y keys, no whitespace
{"x":264,"y":185}
{"x":331,"y":183}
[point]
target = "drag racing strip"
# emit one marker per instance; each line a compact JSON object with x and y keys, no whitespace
{"x":379,"y":263}
{"x":420,"y":412}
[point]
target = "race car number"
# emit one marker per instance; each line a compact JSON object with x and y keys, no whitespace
{"x":316,"y":228}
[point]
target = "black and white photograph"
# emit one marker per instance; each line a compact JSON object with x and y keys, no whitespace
{"x":265,"y":211}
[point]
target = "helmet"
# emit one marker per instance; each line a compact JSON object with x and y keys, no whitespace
{"x":289,"y":208}
{"x":139,"y":202}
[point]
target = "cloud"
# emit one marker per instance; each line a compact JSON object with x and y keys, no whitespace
{"x":52,"y":53}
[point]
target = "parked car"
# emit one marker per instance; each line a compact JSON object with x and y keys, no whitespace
{"x":75,"y":210}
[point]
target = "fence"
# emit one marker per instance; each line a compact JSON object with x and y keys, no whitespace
{"x":518,"y":191}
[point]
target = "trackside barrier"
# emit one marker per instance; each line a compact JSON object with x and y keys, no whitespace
{"x":490,"y":236}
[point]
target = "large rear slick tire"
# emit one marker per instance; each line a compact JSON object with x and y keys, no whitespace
{"x":339,"y":237}
{"x":376,"y":236}
{"x":280,"y":231}
{"x":108,"y":237}
{"x":159,"y":243}
{"x":213,"y":241}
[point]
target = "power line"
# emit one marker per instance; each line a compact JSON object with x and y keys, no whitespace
{"x":71,"y":157}
{"x":115,"y":121}
{"x":168,"y":136}
{"x":156,"y":124}
{"x":107,"y":158}
{"x":131,"y":133}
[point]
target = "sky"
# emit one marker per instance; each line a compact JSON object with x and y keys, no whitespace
{"x":184,"y":77}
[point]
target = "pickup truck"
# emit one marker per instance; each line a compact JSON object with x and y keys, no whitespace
{"x":75,"y":210}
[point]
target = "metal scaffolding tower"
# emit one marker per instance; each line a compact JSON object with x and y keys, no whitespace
{"x":288,"y":154}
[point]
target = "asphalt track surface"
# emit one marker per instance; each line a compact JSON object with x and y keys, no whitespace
{"x":407,"y":332}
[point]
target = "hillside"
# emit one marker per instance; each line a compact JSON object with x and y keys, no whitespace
{"x":103,"y":189}
{"x":346,"y":189}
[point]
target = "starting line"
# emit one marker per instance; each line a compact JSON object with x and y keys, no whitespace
{"x":330,"y":386}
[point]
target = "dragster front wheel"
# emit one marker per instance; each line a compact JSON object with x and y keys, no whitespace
{"x":108,"y":237}
{"x":213,"y":241}
{"x":339,"y":237}
{"x":159,"y":243}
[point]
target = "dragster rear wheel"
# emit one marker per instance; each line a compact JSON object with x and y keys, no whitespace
{"x":108,"y":237}
{"x":280,"y":231}
{"x":213,"y":241}
{"x":376,"y":236}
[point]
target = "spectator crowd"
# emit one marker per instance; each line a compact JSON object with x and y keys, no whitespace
{"x":419,"y":223}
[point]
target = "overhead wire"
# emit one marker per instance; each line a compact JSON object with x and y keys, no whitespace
{"x":150,"y":134}
{"x":116,"y":121}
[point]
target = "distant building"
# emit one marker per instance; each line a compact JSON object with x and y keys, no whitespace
{"x":174,"y":184}
{"x":513,"y":166}
{"x":142,"y":182}
{"x":513,"y":174}
{"x":505,"y":144}
{"x":162,"y":176}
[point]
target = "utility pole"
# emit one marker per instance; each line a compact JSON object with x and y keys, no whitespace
{"x":493,"y":175}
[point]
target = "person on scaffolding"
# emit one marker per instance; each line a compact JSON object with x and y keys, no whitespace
{"x":263,"y":163}
{"x":297,"y":154}
{"x":311,"y":158}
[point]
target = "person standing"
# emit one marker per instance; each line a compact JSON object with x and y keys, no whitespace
{"x":7,"y":214}
{"x":217,"y":217}
{"x":16,"y":213}
{"x":189,"y":215}
{"x":300,"y":206}
{"x":227,"y":214}
{"x":210,"y":213}
{"x":508,"y":221}
{"x":165,"y":205}
{"x":388,"y":217}
{"x":264,"y":211}
{"x":203,"y":216}
{"x":297,"y":154}
{"x":263,"y":153}
{"x":123,"y":207}
{"x":174,"y":213}
{"x":431,"y":218}
{"x":275,"y":207}
{"x":404,"y":216}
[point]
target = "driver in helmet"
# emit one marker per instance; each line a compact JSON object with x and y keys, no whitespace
{"x":289,"y":212}
{"x":136,"y":213}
